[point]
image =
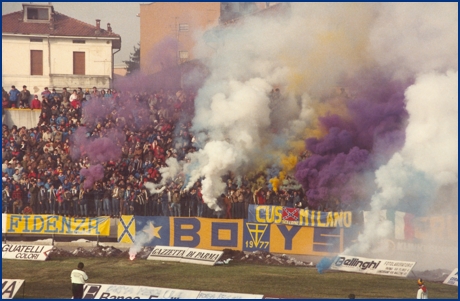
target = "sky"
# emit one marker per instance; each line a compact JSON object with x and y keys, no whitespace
{"x":122,"y":16}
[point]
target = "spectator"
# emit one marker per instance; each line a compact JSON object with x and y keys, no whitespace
{"x":47,"y":103}
{"x":61,"y":209}
{"x":200,"y":202}
{"x":151,"y":138}
{"x":5,"y":94}
{"x":115,"y":201}
{"x":87,"y":95}
{"x":259,"y":197}
{"x":95,"y":93}
{"x":165,"y":206}
{"x":65,"y":94}
{"x":121,"y":197}
{"x":52,"y":96}
{"x":5,"y":102}
{"x":24,"y":98}
{"x":142,"y":199}
{"x":220,"y":211}
{"x":194,"y":200}
{"x":46,"y":93}
{"x":67,"y":202}
{"x":43,"y":204}
{"x":36,"y":104}
{"x":106,"y":202}
{"x":75,"y":201}
{"x":14,"y":97}
{"x":17,"y":199}
{"x":10,"y":170}
{"x":84,"y":200}
{"x":176,"y":204}
{"x":239,"y":203}
{"x":27,"y":210}
{"x":34,"y":192}
{"x":6,"y":199}
{"x":51,"y":200}
{"x":80,"y":94}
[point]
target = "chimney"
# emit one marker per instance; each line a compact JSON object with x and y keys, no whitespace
{"x":98,"y":26}
{"x":109,"y":28}
{"x":52,"y":21}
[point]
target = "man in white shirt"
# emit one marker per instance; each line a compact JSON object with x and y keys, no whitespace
{"x":422,"y":292}
{"x":78,"y":278}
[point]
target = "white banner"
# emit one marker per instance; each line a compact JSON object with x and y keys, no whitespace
{"x":183,"y":254}
{"x":200,"y":256}
{"x":25,"y":252}
{"x":109,"y":291}
{"x":372,"y":266}
{"x":453,"y":278}
{"x":166,"y":253}
{"x":10,"y":287}
{"x":219,"y":295}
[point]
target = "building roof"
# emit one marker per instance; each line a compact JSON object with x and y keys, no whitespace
{"x":61,"y":25}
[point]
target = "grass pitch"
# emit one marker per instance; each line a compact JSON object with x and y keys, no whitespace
{"x":51,"y":279}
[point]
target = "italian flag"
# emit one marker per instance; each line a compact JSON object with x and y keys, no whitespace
{"x":404,"y":226}
{"x":403,"y":222}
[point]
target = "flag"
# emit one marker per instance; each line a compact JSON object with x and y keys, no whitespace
{"x":290,"y":214}
{"x":126,"y":229}
{"x":381,"y":215}
{"x":404,"y":225}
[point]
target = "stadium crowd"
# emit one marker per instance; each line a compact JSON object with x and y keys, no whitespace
{"x":40,"y":175}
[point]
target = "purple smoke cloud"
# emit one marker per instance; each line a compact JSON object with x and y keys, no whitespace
{"x":353,"y":146}
{"x":96,"y":109}
{"x":92,"y":174}
{"x":98,"y":149}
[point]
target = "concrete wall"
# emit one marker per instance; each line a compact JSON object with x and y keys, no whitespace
{"x":57,"y":63}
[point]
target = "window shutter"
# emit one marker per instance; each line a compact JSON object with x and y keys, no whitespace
{"x":36,"y":62}
{"x":79,"y":63}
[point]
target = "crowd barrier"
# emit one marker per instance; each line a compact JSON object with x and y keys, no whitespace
{"x":55,"y":224}
{"x":219,"y":234}
{"x":323,"y":239}
{"x":21,"y":117}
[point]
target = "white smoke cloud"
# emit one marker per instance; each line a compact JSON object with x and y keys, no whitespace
{"x":306,"y":54}
{"x":153,"y":188}
{"x":426,"y":166}
{"x":143,"y":237}
{"x":432,"y":133}
{"x":412,"y":38}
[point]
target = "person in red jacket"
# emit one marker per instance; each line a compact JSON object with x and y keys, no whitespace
{"x":36,"y":104}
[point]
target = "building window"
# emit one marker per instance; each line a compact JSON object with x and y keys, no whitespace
{"x":183,"y":55}
{"x":32,"y":40}
{"x":79,"y":63}
{"x":36,"y":62}
{"x":34,"y":13}
{"x":78,"y":41}
{"x":183,"y":27}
